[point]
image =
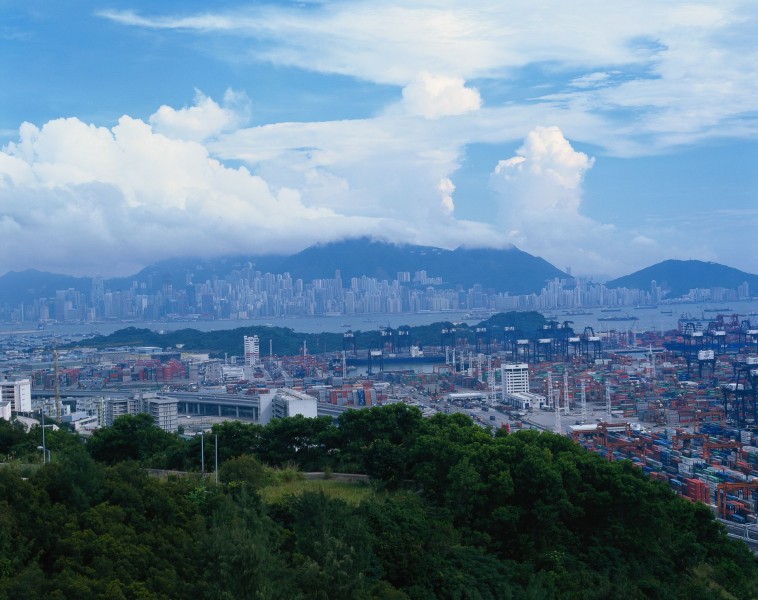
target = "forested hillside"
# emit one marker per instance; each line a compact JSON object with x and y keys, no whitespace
{"x":287,"y":341}
{"x":452,"y":512}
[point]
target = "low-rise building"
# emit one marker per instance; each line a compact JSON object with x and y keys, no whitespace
{"x":289,"y":402}
{"x":525,"y":400}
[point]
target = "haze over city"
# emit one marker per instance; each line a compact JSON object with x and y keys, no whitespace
{"x":602,"y":137}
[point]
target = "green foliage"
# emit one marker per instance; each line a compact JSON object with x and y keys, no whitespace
{"x":11,"y":435}
{"x":296,"y":440}
{"x":134,"y":438}
{"x":245,"y":469}
{"x":454,"y":513}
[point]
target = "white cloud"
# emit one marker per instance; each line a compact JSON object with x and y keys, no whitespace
{"x":112,"y":200}
{"x":547,"y":172}
{"x":446,"y":188}
{"x":591,"y":80}
{"x":540,"y":194}
{"x":204,"y":119}
{"x":680,"y":71}
{"x":435,"y":96}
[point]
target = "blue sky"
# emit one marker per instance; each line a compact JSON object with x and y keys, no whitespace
{"x":602,"y":136}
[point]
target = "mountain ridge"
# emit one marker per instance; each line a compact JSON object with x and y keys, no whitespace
{"x":677,"y":277}
{"x":508,"y":270}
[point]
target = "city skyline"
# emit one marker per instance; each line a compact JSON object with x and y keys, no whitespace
{"x":249,"y":294}
{"x":604,"y":139}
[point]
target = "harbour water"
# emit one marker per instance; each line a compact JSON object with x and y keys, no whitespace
{"x":661,"y":318}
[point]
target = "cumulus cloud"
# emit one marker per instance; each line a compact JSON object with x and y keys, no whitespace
{"x":112,"y":200}
{"x":115,"y":199}
{"x":540,"y":194}
{"x":446,"y":188}
{"x":546,"y":173}
{"x":435,"y":96}
{"x":204,"y":119}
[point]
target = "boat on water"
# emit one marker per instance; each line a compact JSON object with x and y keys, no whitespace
{"x":576,"y":313}
{"x":716,"y":309}
{"x":624,"y":317}
{"x":646,"y":307}
{"x":610,"y":310}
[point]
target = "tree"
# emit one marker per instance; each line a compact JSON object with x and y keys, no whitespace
{"x":132,"y":438}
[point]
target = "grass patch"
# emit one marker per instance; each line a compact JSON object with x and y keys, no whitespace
{"x":351,"y":493}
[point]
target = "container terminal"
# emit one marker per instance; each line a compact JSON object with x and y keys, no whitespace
{"x":682,"y":405}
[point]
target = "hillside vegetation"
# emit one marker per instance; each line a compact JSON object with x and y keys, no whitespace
{"x":286,"y":341}
{"x":453,"y":512}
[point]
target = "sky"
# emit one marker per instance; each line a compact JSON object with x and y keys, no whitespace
{"x":602,"y":136}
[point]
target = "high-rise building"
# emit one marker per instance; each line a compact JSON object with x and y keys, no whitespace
{"x":515,"y":377}
{"x":252,"y":351}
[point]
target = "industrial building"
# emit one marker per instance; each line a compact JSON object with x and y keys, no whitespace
{"x":163,"y":410}
{"x":252,"y":351}
{"x":19,"y":393}
{"x":525,"y":400}
{"x":515,"y":377}
{"x":286,"y":402}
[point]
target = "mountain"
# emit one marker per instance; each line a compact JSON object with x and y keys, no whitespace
{"x":178,"y":271}
{"x":26,"y":286}
{"x":677,"y":277}
{"x":508,"y":269}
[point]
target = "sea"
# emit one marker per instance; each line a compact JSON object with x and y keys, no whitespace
{"x":663,"y":317}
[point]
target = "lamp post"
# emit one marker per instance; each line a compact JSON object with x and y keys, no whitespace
{"x":44,"y":447}
{"x":45,"y":454}
{"x":202,"y":452}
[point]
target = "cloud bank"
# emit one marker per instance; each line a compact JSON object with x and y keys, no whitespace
{"x":682,"y":69}
{"x":631,"y":78}
{"x":112,"y":200}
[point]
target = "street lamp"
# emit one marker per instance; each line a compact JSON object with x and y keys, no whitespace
{"x":202,"y":452}
{"x":44,"y":449}
{"x":45,"y":454}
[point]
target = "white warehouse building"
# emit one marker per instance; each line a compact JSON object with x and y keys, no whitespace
{"x":18,"y":392}
{"x":286,"y":402}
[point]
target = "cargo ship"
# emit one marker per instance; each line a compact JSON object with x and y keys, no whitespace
{"x":624,"y":317}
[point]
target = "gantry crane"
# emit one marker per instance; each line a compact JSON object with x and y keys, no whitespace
{"x":723,"y":490}
{"x":677,"y":441}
